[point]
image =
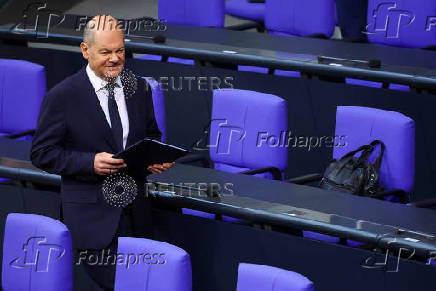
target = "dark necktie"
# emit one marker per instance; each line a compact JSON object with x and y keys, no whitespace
{"x":117,"y":127}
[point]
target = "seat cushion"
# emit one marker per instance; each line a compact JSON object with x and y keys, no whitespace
{"x":301,"y":18}
{"x":152,"y":265}
{"x":246,"y":10}
{"x":192,"y":12}
{"x":253,"y":277}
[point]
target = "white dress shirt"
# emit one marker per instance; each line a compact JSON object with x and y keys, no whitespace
{"x":102,"y":95}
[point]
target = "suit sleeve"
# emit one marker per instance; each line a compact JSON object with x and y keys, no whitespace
{"x":48,"y":152}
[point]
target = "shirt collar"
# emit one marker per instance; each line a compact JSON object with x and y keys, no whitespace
{"x":97,"y":82}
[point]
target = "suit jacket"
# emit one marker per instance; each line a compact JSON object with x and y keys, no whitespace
{"x":71,"y":129}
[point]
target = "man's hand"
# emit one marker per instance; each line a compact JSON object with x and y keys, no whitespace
{"x":104,"y":164}
{"x":158,"y":168}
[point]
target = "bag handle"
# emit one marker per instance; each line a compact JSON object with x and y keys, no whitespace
{"x":344,"y":160}
{"x":378,"y":161}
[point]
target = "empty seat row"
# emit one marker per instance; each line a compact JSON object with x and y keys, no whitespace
{"x":38,"y":256}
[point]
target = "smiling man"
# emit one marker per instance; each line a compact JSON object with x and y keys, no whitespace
{"x":84,"y":120}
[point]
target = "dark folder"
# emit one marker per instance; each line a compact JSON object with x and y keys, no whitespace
{"x":147,"y":152}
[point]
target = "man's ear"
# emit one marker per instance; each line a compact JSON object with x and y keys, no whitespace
{"x":84,"y":47}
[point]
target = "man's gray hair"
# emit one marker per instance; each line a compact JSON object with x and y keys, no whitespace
{"x":98,"y":22}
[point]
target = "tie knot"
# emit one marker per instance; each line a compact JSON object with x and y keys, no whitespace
{"x":110,"y":86}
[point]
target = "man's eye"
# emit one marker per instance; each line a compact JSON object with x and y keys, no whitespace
{"x":120,"y":51}
{"x":105,"y":53}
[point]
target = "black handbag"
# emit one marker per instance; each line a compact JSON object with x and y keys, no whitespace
{"x":355,"y":175}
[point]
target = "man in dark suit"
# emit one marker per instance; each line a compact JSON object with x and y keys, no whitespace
{"x":84,"y":120}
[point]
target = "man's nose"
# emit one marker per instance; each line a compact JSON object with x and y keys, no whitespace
{"x":114,"y":58}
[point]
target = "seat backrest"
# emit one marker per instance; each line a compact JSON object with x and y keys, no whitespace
{"x":261,"y":278}
{"x":158,"y":106}
{"x":404,"y":23}
{"x":22,"y":89}
{"x":300,"y":18}
{"x":192,"y":12}
{"x":246,"y":129}
{"x":152,"y":265}
{"x":37,"y":254}
{"x":361,"y":125}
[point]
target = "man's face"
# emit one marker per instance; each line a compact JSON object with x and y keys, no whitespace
{"x":106,"y":54}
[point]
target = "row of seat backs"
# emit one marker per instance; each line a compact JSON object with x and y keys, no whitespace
{"x":404,"y":23}
{"x":38,"y":256}
{"x":293,"y":18}
{"x":247,"y":131}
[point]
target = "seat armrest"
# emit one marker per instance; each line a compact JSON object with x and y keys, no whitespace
{"x":318,"y":35}
{"x":404,"y":197}
{"x":192,"y":158}
{"x":427,"y":203}
{"x":277,"y":174}
{"x":306,"y":179}
{"x":246,"y":25}
{"x":20,"y":134}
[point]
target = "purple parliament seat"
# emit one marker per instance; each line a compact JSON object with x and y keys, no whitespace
{"x":158,"y":106}
{"x":22,"y":89}
{"x":362,"y":125}
{"x":297,"y":18}
{"x":244,"y":132}
{"x":266,"y":278}
{"x":152,"y":265}
{"x":245,"y":10}
{"x":37,"y":254}
{"x":189,"y":12}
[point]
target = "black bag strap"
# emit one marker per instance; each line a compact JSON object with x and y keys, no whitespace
{"x":348,"y":156}
{"x":378,"y":161}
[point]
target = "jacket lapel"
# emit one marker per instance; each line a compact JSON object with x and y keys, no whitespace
{"x":94,"y":112}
